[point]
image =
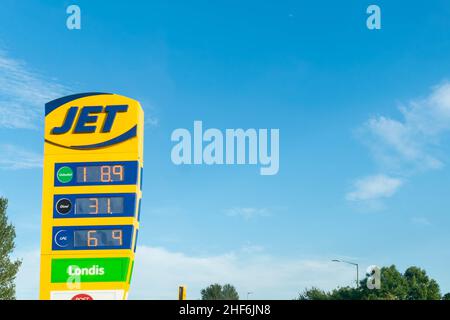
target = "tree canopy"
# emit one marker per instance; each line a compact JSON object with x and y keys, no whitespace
{"x":218,"y":292}
{"x":8,"y":268}
{"x":413,"y":284}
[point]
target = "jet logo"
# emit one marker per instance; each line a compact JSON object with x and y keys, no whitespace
{"x":87,"y":115}
{"x":93,"y":120}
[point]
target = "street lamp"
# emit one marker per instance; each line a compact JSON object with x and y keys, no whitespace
{"x":354,"y":264}
{"x":249,"y":293}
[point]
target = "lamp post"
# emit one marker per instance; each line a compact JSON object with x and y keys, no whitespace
{"x":249,"y":293}
{"x":353,"y":264}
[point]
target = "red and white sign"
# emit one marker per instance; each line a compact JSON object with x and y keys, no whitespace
{"x":88,"y":295}
{"x":82,"y":296}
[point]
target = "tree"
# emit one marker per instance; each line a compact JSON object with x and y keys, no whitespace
{"x":314,"y":294}
{"x":343,"y":293}
{"x":446,"y":296}
{"x":393,"y":286}
{"x":8,"y":268}
{"x":414,"y":284}
{"x":420,"y":286}
{"x":346,"y":293}
{"x":229,"y":292}
{"x":217,"y":292}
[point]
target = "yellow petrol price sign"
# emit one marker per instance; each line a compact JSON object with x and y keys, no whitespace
{"x":92,"y":182}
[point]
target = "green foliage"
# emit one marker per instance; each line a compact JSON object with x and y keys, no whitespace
{"x":345,"y":293}
{"x":414,"y":284}
{"x":213,"y":292}
{"x":446,"y":296}
{"x":229,"y":292}
{"x":217,"y":292}
{"x":420,"y":286}
{"x":8,"y":268}
{"x":314,"y":294}
{"x":393,"y":286}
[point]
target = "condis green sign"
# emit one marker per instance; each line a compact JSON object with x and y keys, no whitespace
{"x":90,"y":270}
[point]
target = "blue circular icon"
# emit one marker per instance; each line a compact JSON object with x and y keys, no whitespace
{"x":62,"y":238}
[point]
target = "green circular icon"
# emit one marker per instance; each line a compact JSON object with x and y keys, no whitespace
{"x":64,"y":175}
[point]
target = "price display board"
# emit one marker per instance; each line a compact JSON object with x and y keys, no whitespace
{"x":94,"y":205}
{"x":92,"y":237}
{"x":92,"y":190}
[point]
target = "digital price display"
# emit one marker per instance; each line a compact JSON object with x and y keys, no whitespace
{"x":96,"y":173}
{"x":110,"y":205}
{"x":95,"y":205}
{"x":92,"y":237}
{"x":104,"y":174}
{"x":98,"y":238}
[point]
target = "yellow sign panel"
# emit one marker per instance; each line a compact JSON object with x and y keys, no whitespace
{"x":93,"y":164}
{"x":182,"y":293}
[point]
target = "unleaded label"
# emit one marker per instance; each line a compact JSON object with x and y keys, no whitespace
{"x":64,"y":175}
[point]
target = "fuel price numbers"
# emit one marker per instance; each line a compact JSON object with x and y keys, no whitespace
{"x":96,"y":173}
{"x":99,"y":205}
{"x":94,"y":205}
{"x":100,"y":174}
{"x":92,"y":237}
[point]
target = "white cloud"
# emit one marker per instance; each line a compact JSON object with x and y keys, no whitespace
{"x":247,"y":212}
{"x":405,"y":145}
{"x":158,"y":273}
{"x":23,"y":94}
{"x":374,"y":187}
{"x":14,"y":158}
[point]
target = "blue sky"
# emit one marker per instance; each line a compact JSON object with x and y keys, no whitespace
{"x":364,"y":119}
